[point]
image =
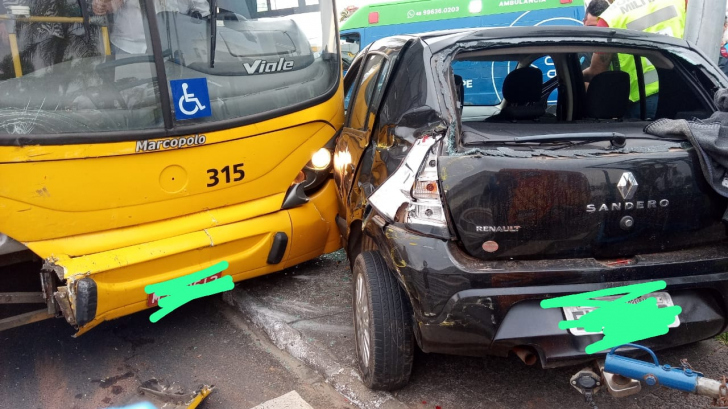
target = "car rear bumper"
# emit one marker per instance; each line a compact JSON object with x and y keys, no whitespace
{"x":468,"y":328}
{"x":466,"y":306}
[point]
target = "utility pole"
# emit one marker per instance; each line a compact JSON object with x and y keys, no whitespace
{"x":704,"y":26}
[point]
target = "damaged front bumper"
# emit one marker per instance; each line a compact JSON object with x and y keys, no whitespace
{"x":467,"y":306}
{"x":102,"y":276}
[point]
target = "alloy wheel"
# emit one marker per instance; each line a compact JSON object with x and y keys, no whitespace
{"x":362,"y":320}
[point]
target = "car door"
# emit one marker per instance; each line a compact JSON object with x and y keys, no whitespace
{"x":361,"y":113}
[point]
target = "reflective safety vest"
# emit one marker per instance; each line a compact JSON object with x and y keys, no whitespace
{"x":651,"y":16}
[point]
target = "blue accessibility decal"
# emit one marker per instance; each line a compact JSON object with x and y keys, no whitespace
{"x":190,"y":98}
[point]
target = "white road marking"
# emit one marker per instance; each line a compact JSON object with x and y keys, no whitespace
{"x":291,"y":400}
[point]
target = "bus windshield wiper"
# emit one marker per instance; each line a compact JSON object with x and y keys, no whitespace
{"x":213,"y":31}
{"x":616,"y":139}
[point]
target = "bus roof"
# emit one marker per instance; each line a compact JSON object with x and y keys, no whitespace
{"x":415,"y":11}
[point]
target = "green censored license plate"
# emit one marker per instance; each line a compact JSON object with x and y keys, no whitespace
{"x":574,"y":313}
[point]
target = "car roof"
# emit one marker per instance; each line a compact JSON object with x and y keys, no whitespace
{"x":438,"y":40}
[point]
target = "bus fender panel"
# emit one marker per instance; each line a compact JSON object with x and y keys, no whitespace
{"x":294,"y":197}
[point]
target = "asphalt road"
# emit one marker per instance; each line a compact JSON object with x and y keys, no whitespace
{"x":306,"y":311}
{"x":203,"y":342}
{"x":314,"y":299}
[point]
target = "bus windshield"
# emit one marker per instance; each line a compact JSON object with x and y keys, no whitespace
{"x":83,"y":66}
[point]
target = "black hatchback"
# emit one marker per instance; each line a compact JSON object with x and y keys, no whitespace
{"x":461,"y":213}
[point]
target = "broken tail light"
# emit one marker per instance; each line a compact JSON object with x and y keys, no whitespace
{"x":426,"y":207}
{"x":411,"y":195}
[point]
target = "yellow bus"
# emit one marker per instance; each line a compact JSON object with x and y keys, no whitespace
{"x":145,"y":140}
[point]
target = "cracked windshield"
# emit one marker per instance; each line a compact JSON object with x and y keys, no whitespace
{"x":80,"y":66}
{"x":363,"y":204}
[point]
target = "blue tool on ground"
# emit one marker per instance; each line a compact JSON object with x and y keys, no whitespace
{"x":683,"y":379}
{"x":653,"y":374}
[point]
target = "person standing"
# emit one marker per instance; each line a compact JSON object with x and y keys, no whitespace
{"x":593,"y":11}
{"x":127,"y":34}
{"x":658,"y":16}
{"x":591,"y":17}
{"x":723,"y":57}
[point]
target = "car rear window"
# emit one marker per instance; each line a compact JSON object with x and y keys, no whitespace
{"x":554,"y":87}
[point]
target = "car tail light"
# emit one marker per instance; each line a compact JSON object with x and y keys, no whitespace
{"x":426,"y":186}
{"x":426,"y":208}
{"x":411,"y":195}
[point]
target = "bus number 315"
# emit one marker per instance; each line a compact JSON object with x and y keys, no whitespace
{"x":214,"y":180}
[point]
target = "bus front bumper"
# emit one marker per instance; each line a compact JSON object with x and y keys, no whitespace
{"x":111,"y":284}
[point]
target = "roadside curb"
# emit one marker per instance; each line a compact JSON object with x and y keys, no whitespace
{"x":343,"y":378}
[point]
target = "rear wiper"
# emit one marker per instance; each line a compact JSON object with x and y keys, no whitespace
{"x":616,"y":139}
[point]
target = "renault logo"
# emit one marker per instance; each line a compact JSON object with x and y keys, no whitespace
{"x":627,"y":185}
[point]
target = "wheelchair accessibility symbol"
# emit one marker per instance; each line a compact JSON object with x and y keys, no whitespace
{"x":191,"y":98}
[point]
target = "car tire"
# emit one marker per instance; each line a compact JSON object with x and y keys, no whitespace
{"x":382,"y":324}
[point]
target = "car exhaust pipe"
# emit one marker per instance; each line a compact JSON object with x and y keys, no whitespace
{"x":527,"y":355}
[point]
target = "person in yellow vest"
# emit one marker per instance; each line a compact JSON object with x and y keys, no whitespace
{"x":651,"y":16}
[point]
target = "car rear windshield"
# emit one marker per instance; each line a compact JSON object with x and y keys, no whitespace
{"x":514,"y":93}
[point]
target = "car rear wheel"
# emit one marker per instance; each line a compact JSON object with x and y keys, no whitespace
{"x":382,"y":323}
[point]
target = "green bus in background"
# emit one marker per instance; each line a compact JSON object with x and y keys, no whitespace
{"x":482,"y":86}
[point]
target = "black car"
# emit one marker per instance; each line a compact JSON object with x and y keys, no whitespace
{"x":459,"y":219}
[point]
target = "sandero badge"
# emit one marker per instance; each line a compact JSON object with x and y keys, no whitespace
{"x":459,"y":219}
{"x":627,"y":187}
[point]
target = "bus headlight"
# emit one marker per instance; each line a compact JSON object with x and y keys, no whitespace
{"x":316,"y":172}
{"x":318,"y":169}
{"x":321,"y":159}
